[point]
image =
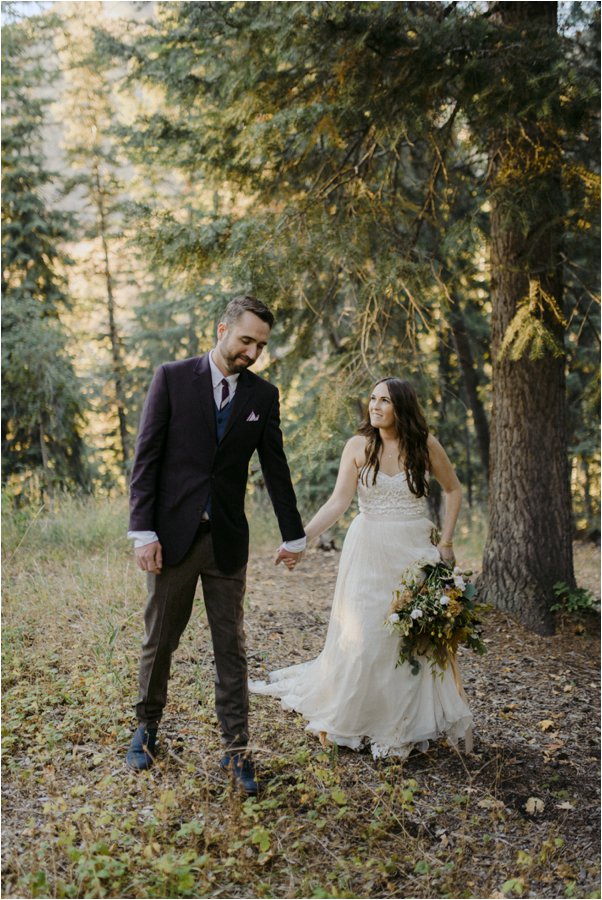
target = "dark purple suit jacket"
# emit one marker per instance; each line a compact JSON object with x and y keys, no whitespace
{"x":179,"y":465}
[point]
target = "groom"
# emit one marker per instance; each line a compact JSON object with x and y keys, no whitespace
{"x":202,"y":420}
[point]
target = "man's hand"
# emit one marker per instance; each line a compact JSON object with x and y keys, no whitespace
{"x":289,"y":559}
{"x":150,"y":558}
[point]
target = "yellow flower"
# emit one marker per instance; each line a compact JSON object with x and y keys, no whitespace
{"x":454,"y":608}
{"x":402,"y":600}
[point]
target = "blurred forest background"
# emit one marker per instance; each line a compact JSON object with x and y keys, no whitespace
{"x":412,"y":187}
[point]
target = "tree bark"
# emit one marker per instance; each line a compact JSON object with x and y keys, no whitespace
{"x":47,"y":486}
{"x":470,"y":381}
{"x":588,"y":509}
{"x":116,"y":353}
{"x":529,"y":547}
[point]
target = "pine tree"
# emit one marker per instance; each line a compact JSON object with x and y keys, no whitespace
{"x":329,"y":219}
{"x":42,"y":406}
{"x":98,"y":180}
{"x":529,"y":548}
{"x":366,"y":140}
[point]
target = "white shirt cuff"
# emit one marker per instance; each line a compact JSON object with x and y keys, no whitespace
{"x":141,"y":538}
{"x":295,"y":546}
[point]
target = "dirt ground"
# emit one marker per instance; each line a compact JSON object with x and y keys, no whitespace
{"x":518,"y":817}
{"x":536,"y":722}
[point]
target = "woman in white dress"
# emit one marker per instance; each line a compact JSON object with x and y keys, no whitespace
{"x":353,"y":694}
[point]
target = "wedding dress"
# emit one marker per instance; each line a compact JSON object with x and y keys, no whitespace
{"x":353,"y":691}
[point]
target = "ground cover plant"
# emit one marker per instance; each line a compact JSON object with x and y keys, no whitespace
{"x":517,"y":818}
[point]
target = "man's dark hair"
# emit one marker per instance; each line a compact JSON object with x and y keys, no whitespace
{"x":239,"y":305}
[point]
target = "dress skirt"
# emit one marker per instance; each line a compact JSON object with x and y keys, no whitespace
{"x":354,"y":691}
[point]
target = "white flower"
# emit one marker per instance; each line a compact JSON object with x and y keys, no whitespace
{"x":393,"y":617}
{"x":443,"y":599}
{"x":416,"y":613}
{"x":457,"y":570}
{"x":459,"y":582}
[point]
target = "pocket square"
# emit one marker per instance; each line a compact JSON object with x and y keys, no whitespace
{"x":253,"y":417}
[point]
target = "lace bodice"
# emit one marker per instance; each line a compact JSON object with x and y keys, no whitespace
{"x":390,"y":498}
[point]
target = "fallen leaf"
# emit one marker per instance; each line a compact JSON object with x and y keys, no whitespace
{"x":490,"y":803}
{"x":566,"y":804}
{"x":534,"y":805}
{"x":545,"y":724}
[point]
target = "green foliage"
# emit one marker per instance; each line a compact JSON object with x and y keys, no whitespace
{"x":334,"y":159}
{"x":94,"y":159}
{"x":359,"y":217}
{"x":528,"y":330}
{"x":42,"y":405}
{"x":514,"y":887}
{"x":574,"y":601}
{"x":326,"y":217}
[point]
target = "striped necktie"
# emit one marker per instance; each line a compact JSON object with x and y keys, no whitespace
{"x":225,"y":393}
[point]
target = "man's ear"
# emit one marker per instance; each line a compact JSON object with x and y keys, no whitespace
{"x":221,"y":330}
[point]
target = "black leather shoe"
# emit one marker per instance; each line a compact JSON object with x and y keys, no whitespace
{"x":141,"y":753}
{"x":241,"y":770}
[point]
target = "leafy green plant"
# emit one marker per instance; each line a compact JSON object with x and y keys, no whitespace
{"x":573,"y":601}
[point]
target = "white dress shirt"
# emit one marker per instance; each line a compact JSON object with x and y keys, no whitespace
{"x":141,"y":538}
{"x":217,"y":377}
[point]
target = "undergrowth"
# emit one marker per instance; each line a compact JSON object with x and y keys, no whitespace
{"x":333,"y":824}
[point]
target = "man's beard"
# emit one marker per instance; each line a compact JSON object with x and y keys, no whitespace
{"x":237,"y":364}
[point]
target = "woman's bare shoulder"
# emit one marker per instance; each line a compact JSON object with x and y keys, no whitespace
{"x":356,"y":447}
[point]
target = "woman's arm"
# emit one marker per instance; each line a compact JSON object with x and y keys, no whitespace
{"x":442,"y":469}
{"x":344,"y":489}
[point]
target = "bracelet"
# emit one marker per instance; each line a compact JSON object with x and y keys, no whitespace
{"x":446,"y":543}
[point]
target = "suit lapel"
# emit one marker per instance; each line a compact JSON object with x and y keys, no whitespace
{"x":202,"y":375}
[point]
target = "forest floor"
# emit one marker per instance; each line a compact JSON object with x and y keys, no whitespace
{"x":518,"y":817}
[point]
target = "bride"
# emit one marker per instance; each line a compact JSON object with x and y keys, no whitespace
{"x":353,"y":694}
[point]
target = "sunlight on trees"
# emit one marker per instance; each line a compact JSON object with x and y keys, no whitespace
{"x":355,"y":165}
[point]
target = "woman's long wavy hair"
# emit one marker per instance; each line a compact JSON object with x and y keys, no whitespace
{"x":412,"y":433}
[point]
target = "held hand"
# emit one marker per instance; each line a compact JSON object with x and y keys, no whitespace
{"x":149,"y":558}
{"x":447,"y":554}
{"x":289,"y":559}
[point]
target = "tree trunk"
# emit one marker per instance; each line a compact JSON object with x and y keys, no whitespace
{"x":588,"y":509}
{"x":470,"y":380}
{"x":529,"y":547}
{"x":116,"y":354}
{"x":468,"y":465}
{"x":47,"y":486}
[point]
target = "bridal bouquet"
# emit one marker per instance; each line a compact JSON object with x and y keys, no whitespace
{"x":434,"y":611}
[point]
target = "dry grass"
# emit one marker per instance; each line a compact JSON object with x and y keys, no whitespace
{"x":77,"y":823}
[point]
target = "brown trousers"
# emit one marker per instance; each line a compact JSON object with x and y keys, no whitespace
{"x":168,"y":610}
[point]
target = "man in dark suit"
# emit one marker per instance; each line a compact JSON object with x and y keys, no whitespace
{"x":202,"y":420}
